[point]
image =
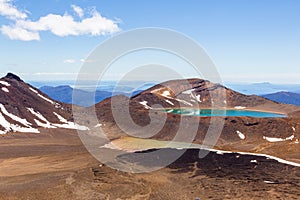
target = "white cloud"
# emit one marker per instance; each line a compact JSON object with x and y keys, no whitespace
{"x":66,"y":25}
{"x":87,"y":61}
{"x":70,"y":61}
{"x":17,"y":33}
{"x":60,"y":25}
{"x":77,"y":10}
{"x":53,"y":73}
{"x":7,"y":9}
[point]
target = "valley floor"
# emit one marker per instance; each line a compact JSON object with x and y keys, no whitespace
{"x":55,"y":165}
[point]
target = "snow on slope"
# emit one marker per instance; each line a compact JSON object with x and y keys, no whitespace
{"x":167,"y":94}
{"x":272,"y":139}
{"x":45,"y":98}
{"x":69,"y":125}
{"x":241,"y":135}
{"x":41,"y":119}
{"x":5,"y":89}
{"x":23,"y":126}
{"x":25,"y":109}
{"x":10,"y":127}
{"x":4,"y":83}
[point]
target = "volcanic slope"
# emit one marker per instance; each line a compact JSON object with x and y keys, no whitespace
{"x":25,"y":109}
{"x":140,"y":116}
{"x":55,"y":165}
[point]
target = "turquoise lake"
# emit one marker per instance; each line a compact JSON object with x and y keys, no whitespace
{"x":223,"y":113}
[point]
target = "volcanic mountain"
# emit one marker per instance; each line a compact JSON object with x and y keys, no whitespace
{"x":24,"y":108}
{"x":145,"y":116}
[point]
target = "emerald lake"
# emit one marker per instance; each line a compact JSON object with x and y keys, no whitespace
{"x":223,"y":113}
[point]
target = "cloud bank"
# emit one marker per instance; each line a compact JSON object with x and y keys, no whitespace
{"x":7,"y":9}
{"x":25,"y":29}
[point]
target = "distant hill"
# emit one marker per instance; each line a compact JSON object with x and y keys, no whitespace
{"x":64,"y":94}
{"x":263,"y":88}
{"x":284,"y":97}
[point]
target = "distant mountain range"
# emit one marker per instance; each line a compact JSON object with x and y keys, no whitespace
{"x":64,"y":94}
{"x":284,"y":97}
{"x":263,"y":88}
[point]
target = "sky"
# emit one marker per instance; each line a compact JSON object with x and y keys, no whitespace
{"x":248,"y":40}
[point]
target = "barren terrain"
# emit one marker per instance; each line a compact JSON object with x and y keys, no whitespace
{"x":55,"y":165}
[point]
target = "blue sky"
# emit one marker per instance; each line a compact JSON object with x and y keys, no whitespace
{"x":250,"y":41}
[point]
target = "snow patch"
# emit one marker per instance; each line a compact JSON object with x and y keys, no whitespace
{"x":290,"y":138}
{"x":72,"y":125}
{"x":14,"y":128}
{"x":14,"y":117}
{"x":41,"y":122}
{"x":256,"y":154}
{"x":4,"y":123}
{"x":47,"y":124}
{"x":271,"y":157}
{"x":188,"y":91}
{"x":46,"y":99}
{"x":241,"y":135}
{"x":198,"y":98}
{"x":5,"y":83}
{"x":184,"y":102}
{"x":8,"y":127}
{"x":110,"y":146}
{"x":294,"y":129}
{"x":69,"y":125}
{"x":169,"y":102}
{"x":63,"y":120}
{"x":272,"y":139}
{"x":145,"y":104}
{"x":253,"y":161}
{"x":98,"y":125}
{"x":253,"y":154}
{"x":57,"y":105}
{"x":17,"y":128}
{"x":37,"y":114}
{"x":5,"y":89}
{"x":193,"y":96}
{"x":43,"y":125}
{"x":33,"y":90}
{"x":239,"y":107}
{"x":166,"y":94}
{"x":269,"y":182}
